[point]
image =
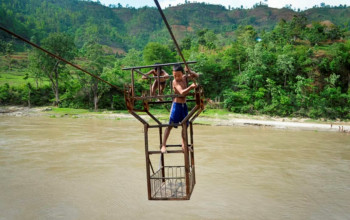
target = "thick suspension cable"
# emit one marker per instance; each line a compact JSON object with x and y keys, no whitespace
{"x":59,"y":58}
{"x":171,"y":34}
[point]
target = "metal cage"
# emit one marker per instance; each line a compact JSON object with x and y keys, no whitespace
{"x":168,"y":182}
{"x":172,"y":185}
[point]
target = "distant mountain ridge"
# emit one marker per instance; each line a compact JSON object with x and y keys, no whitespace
{"x":133,"y":28}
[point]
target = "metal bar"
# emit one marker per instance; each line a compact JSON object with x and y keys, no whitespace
{"x":150,"y":87}
{"x":164,"y":102}
{"x":187,"y":165}
{"x":168,"y":152}
{"x":59,"y":58}
{"x":175,"y":145}
{"x":150,"y":163}
{"x":190,"y":114}
{"x":133,"y":84}
{"x":156,"y":77}
{"x":138,"y":110}
{"x":171,"y":87}
{"x":147,"y":162}
{"x":160,"y":145}
{"x":139,"y":118}
{"x":164,"y":125}
{"x":184,"y":198}
{"x":178,"y":166}
{"x":168,"y":178}
{"x":192,"y":154}
{"x":138,"y":71}
{"x":158,"y":80}
{"x":196,"y":115}
{"x":162,"y":96}
{"x":171,"y":34}
{"x":158,"y":65}
{"x":154,"y":118}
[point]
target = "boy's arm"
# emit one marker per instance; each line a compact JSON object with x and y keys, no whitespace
{"x":166,"y":75}
{"x":192,"y":74}
{"x":146,"y":74}
{"x":181,"y":90}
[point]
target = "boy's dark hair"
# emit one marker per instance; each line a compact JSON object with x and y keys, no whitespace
{"x":178,"y":67}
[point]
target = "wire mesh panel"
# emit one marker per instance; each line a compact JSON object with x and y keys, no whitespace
{"x":172,"y":185}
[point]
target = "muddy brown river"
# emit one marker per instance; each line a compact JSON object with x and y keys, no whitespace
{"x":64,"y":168}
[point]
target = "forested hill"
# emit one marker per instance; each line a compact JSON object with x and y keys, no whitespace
{"x":125,"y":28}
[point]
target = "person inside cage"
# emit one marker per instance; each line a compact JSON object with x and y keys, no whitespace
{"x":179,"y":108}
{"x":162,"y":79}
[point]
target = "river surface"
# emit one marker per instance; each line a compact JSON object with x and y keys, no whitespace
{"x":64,"y":168}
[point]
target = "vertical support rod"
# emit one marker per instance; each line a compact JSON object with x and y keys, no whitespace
{"x":192,"y":155}
{"x":147,"y":162}
{"x":150,"y":87}
{"x":187,"y":165}
{"x":133,"y":83}
{"x":171,"y":87}
{"x":158,"y":79}
{"x":161,"y":155}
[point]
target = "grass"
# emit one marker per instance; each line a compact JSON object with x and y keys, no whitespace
{"x":19,"y":70}
{"x":69,"y":111}
{"x":16,"y":77}
{"x":73,"y":111}
{"x":215,"y":112}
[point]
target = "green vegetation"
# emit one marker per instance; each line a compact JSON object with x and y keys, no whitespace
{"x":255,"y":61}
{"x":68,"y":111}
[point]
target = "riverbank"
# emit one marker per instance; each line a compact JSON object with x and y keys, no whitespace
{"x":212,"y":117}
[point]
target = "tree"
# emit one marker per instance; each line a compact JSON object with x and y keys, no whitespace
{"x":297,"y":25}
{"x":157,"y":53}
{"x":186,"y":43}
{"x":246,"y":35}
{"x":285,"y":66}
{"x":27,"y":93}
{"x":96,"y":61}
{"x":316,"y":33}
{"x":8,"y":51}
{"x":61,"y":45}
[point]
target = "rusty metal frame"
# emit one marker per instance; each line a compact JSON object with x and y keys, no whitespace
{"x":162,"y":180}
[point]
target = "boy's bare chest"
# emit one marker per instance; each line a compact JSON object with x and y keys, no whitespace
{"x":182,"y":84}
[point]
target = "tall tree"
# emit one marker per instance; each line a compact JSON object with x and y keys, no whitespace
{"x":61,"y":45}
{"x":157,"y":53}
{"x":96,"y":61}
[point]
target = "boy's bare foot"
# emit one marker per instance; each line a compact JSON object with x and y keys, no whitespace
{"x":163,"y":149}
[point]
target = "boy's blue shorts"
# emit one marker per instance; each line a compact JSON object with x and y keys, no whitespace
{"x":178,"y":113}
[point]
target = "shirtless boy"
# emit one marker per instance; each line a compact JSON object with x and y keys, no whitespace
{"x":179,"y":108}
{"x":164,"y":76}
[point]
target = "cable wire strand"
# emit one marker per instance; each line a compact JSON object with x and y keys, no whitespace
{"x":59,"y":58}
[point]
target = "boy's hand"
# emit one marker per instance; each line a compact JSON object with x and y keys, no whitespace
{"x":186,"y":70}
{"x":193,"y":86}
{"x":144,"y":77}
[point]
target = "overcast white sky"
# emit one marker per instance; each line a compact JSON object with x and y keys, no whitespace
{"x":302,"y":4}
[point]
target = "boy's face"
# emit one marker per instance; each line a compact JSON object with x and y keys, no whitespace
{"x":177,"y":75}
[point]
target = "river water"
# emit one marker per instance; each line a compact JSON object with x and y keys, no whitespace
{"x":64,"y":168}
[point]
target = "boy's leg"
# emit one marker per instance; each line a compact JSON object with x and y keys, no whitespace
{"x":154,"y":87}
{"x":166,"y":135}
{"x":162,"y":86}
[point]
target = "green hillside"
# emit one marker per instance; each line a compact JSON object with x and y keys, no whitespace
{"x":127,"y":28}
{"x":257,"y":61}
